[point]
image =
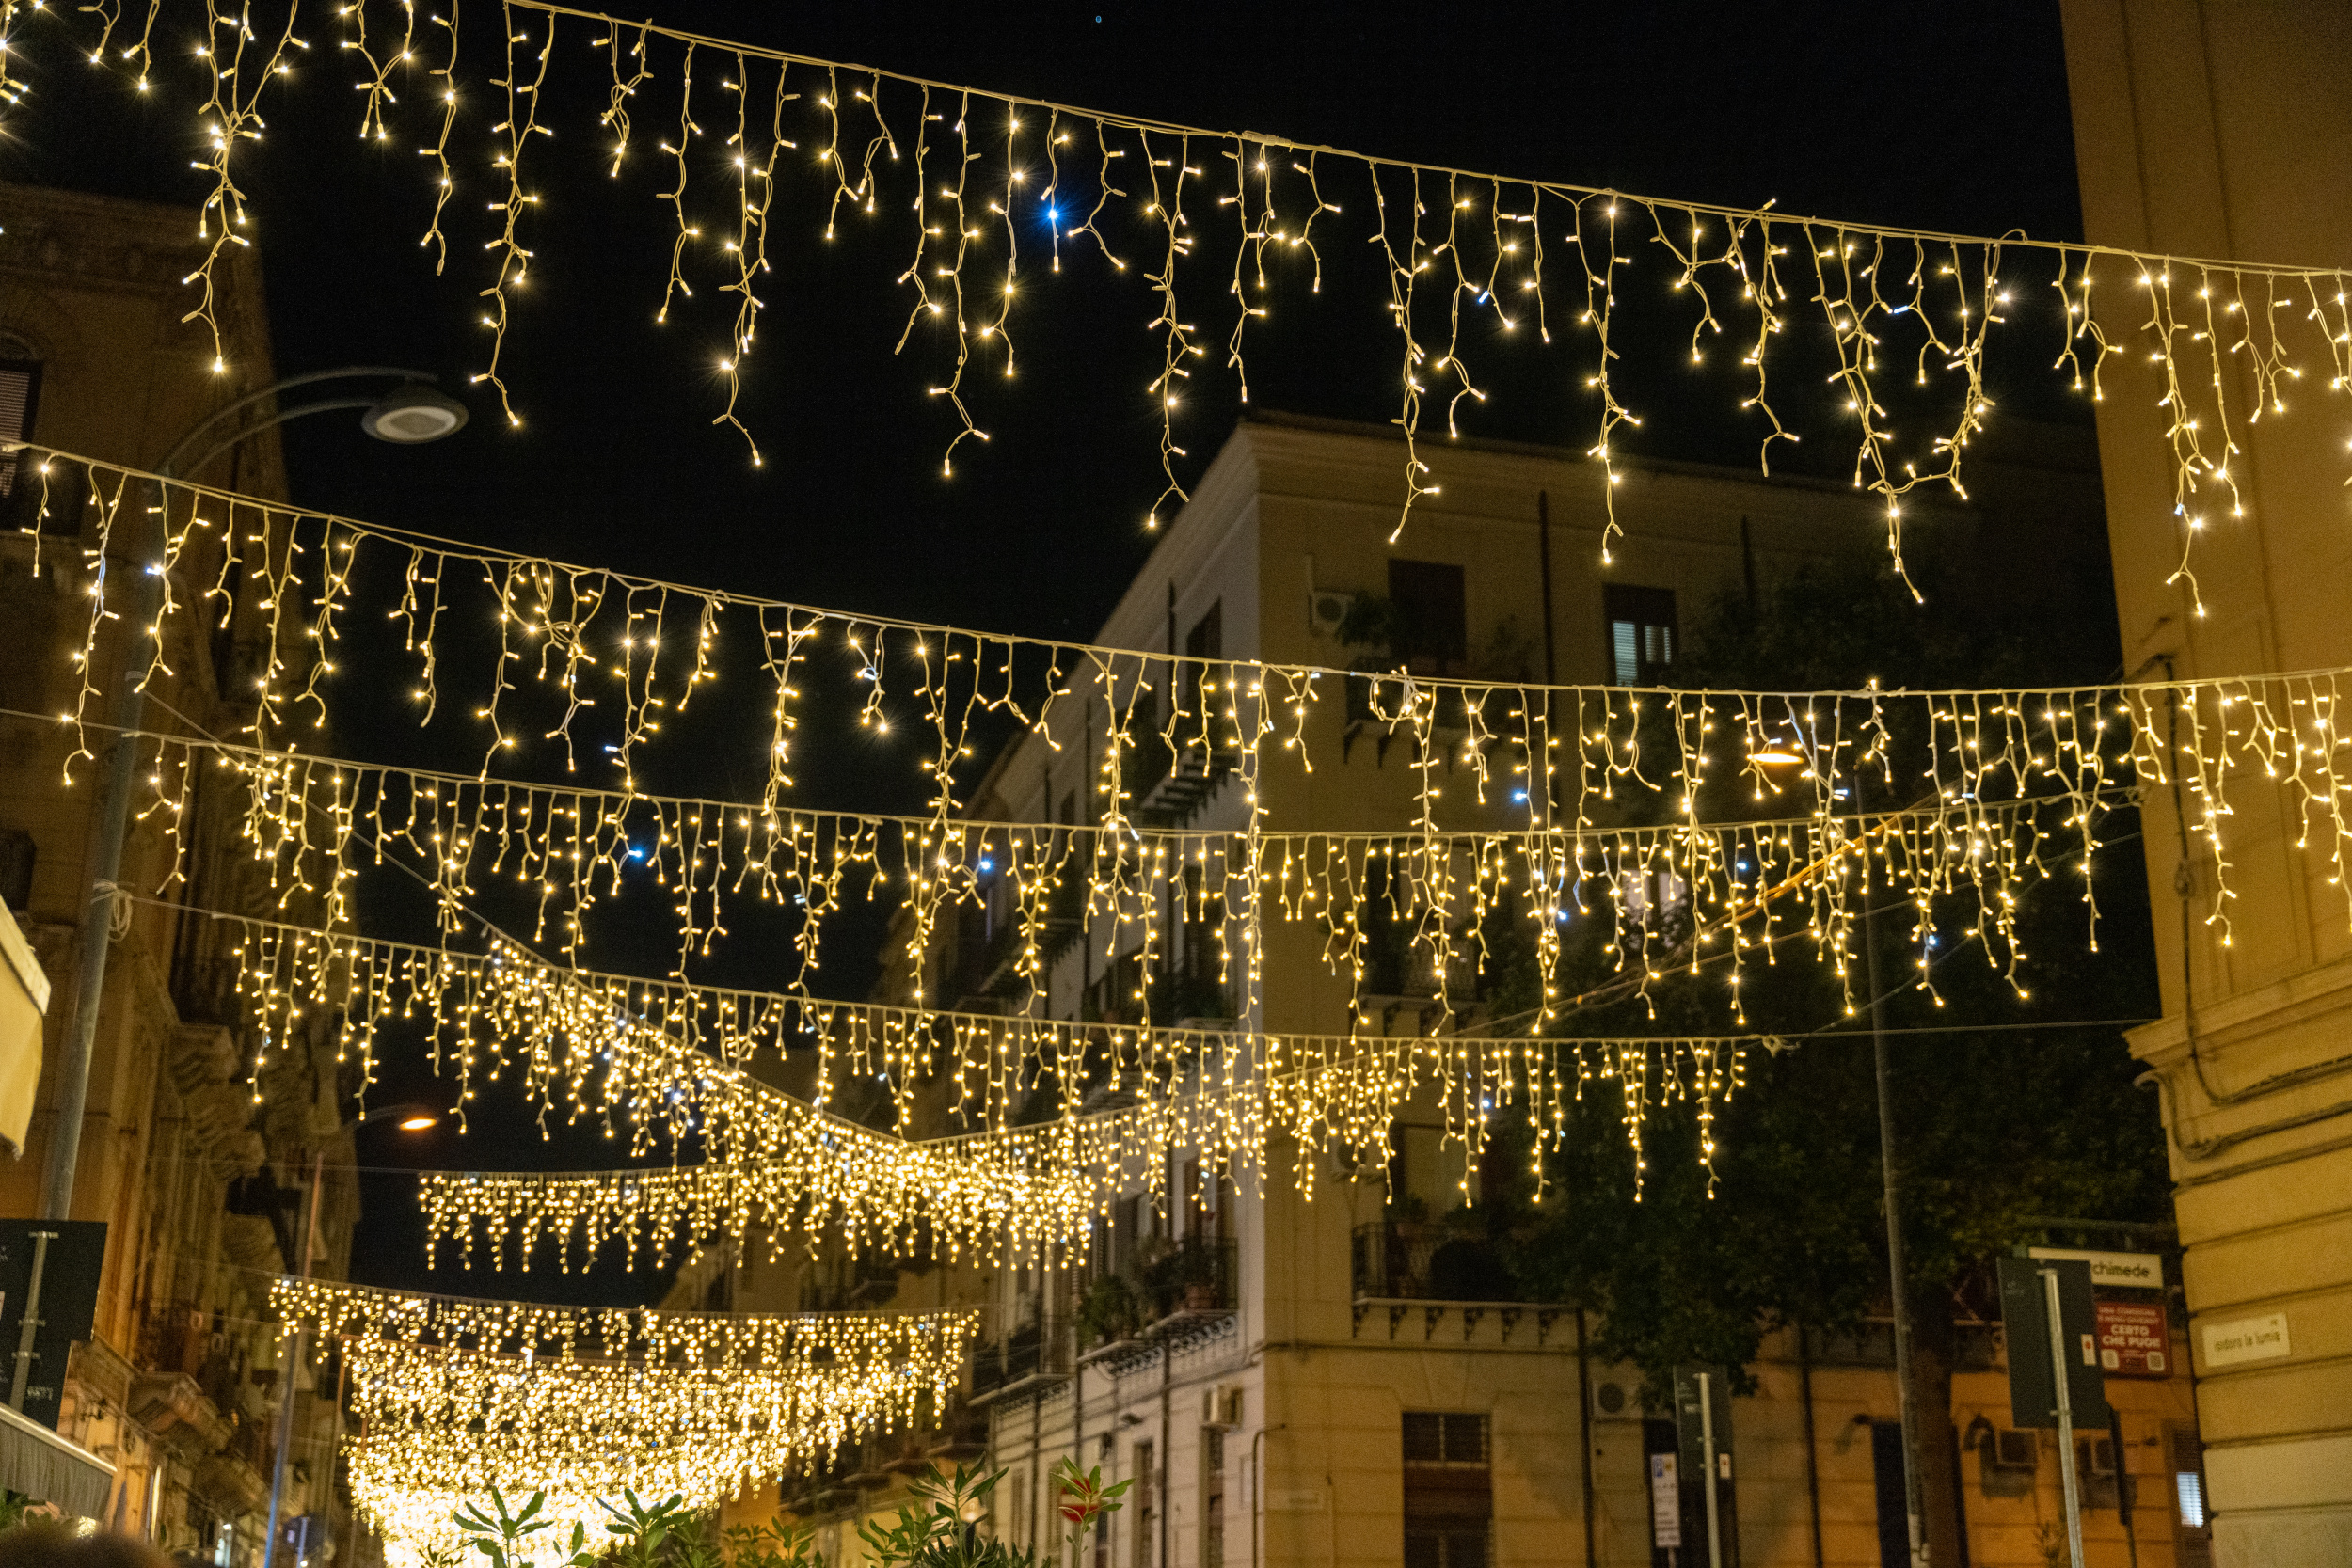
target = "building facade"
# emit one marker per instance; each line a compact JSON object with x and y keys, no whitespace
{"x":1296,"y":1383}
{"x":202,"y":1189}
{"x":2220,"y":128}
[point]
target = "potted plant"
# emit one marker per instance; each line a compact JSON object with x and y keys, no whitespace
{"x":1109,"y":1313}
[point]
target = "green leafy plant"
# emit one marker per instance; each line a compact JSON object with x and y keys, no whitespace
{"x":777,"y":1544}
{"x":640,"y":1529}
{"x":499,"y":1534}
{"x":1109,"y":1310}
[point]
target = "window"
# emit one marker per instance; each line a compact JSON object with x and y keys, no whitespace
{"x":1642,"y":633}
{"x":1449,"y":1490}
{"x":16,"y":868}
{"x":1894,"y":1504}
{"x":1203,"y":646}
{"x":1102,"y":1520}
{"x":1146,"y":1509}
{"x":1212,"y":1497}
{"x":28,"y":500}
{"x":20,"y":400}
{"x":2192,"y":1527}
{"x":1432,"y":631}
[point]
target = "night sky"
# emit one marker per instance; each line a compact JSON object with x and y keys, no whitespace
{"x":1945,"y":118}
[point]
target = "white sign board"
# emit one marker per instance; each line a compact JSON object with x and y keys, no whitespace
{"x":1665,"y":1500}
{"x":2133,"y":1271}
{"x":2262,"y":1339}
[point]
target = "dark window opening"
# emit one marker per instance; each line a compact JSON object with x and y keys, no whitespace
{"x":1212,"y":1497}
{"x":1642,"y":634}
{"x":1146,"y":1505}
{"x":1431,"y":635}
{"x":16,"y":868}
{"x":1894,"y":1504}
{"x":1449,"y":1490}
{"x":20,"y":400}
{"x":32,"y":500}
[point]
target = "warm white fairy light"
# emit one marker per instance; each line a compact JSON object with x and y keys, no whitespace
{"x":1993,"y":771}
{"x":598,"y":1047}
{"x":454,"y":1396}
{"x":1909,"y":304}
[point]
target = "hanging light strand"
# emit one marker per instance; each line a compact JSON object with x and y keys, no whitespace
{"x":1904,"y":309}
{"x":1562,"y":765}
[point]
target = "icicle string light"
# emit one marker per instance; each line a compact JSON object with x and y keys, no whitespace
{"x":453,"y":1395}
{"x":318,"y":824}
{"x":1904,"y":307}
{"x":1041,"y":1190}
{"x":1514,"y":789}
{"x":1044,"y":1161}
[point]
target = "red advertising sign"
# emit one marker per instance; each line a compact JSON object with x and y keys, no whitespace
{"x":2134,"y":1338}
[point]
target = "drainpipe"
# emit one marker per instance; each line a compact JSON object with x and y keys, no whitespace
{"x":1257,"y":1487}
{"x":1812,"y":1452}
{"x":1167,"y":1498}
{"x":1584,"y":1429}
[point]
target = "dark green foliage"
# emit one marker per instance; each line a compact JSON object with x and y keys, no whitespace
{"x":1680,"y":1262}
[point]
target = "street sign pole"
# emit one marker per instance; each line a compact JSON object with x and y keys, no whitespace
{"x":22,"y":1379}
{"x":1706,"y":1447}
{"x":2065,"y":1419}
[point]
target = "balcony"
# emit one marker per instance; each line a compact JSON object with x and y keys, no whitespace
{"x":1170,"y":1294}
{"x":1166,"y":786}
{"x":1035,"y":1355}
{"x":1426,"y":1260}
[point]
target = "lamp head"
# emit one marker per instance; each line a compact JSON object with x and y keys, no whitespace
{"x":409,"y":1115}
{"x":413,"y":413}
{"x":1775,"y":756}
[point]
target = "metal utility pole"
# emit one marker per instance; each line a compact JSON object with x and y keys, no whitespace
{"x":2066,"y":1422}
{"x":1898,"y":1276}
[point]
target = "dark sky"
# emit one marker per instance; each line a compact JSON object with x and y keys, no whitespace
{"x":1942,"y":117}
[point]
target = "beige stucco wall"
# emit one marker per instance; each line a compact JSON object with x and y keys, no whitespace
{"x":2223,"y":128}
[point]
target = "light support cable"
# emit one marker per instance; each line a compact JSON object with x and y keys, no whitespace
{"x":1563,"y":763}
{"x":1907,"y":312}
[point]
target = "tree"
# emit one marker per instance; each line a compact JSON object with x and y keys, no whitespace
{"x":2026,"y":1117}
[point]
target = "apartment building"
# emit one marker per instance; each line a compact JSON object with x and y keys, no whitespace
{"x":2200,"y":131}
{"x":1296,"y":1383}
{"x":201,"y":1191}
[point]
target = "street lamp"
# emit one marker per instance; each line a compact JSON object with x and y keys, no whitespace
{"x":411,"y":413}
{"x":407,"y":1117}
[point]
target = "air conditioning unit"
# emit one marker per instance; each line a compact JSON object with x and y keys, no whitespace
{"x":1616,"y":1400}
{"x":2012,"y":1449}
{"x":1220,"y":1406}
{"x":2096,"y":1455}
{"x":1326,"y":608}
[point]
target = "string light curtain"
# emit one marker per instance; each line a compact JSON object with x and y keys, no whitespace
{"x":1349,"y":1103}
{"x":456,"y":1395}
{"x":747,"y":136}
{"x":589,"y":1046}
{"x":1519,"y":794}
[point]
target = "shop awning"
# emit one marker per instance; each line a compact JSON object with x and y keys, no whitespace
{"x":39,"y":1464}
{"x":23,"y":998}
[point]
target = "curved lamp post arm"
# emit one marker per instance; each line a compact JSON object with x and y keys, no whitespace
{"x":169,"y":466}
